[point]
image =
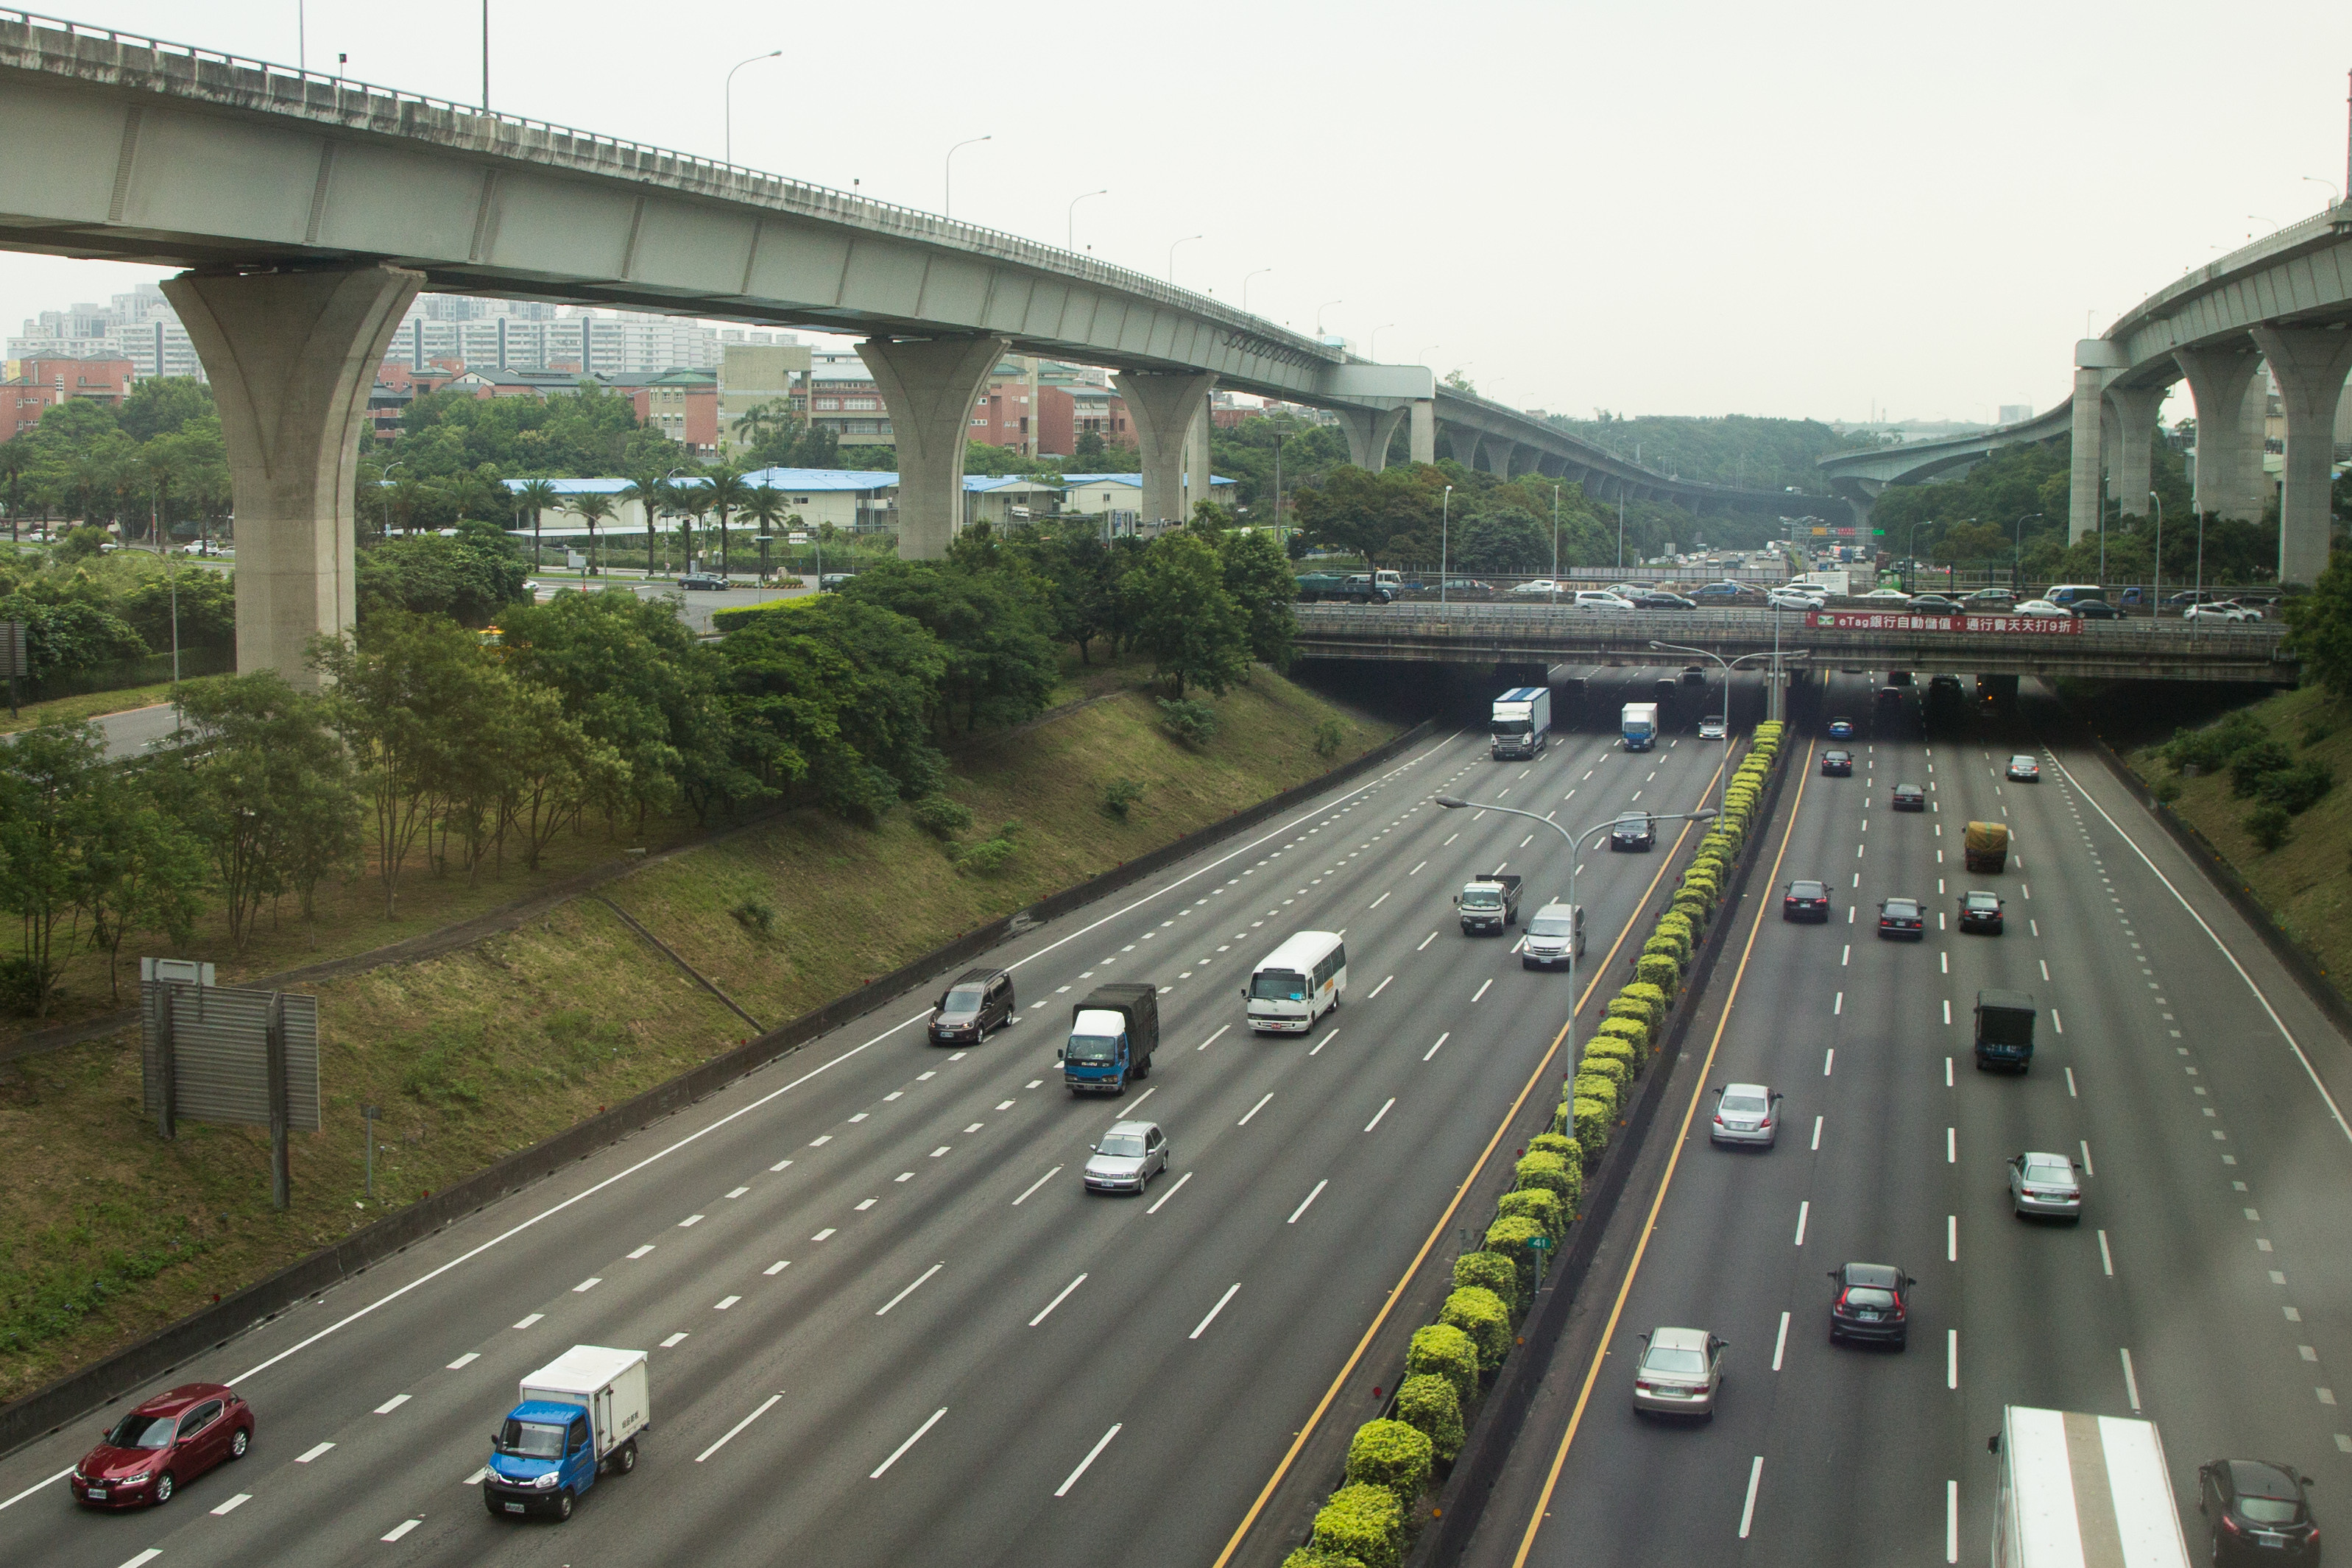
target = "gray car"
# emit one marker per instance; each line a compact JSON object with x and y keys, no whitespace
{"x":1129,"y":1155}
{"x":2044,"y":1185}
{"x":1551,"y":933}
{"x":1746,"y":1113}
{"x":1678,"y":1374}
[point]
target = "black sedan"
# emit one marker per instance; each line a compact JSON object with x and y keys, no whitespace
{"x":1902,"y":919}
{"x":711,"y":581}
{"x":2094,"y":610}
{"x":1981,"y":911}
{"x":1873,"y":1302}
{"x":1724,"y":594}
{"x":2258,"y":1512}
{"x":1634,"y":830}
{"x":1909,"y":797}
{"x":1806,"y":900}
{"x":1658,"y":599}
{"x":1837,"y":764}
{"x":1933,"y":604}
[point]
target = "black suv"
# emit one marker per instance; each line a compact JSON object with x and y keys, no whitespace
{"x":2257,"y":1512}
{"x":1902,"y":917}
{"x":1634,"y":830}
{"x":1910,"y":797}
{"x":980,"y":1000}
{"x":1807,"y":901}
{"x":1873,"y":1302}
{"x":1838,"y":765}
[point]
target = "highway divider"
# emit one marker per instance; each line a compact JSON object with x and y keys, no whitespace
{"x":1431,"y":1457}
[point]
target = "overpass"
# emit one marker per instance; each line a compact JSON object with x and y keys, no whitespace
{"x":310,"y":210}
{"x":1980,"y":644}
{"x":1859,"y":476}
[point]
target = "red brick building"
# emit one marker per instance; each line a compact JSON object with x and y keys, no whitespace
{"x":40,"y":385}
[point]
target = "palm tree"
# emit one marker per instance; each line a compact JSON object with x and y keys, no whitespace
{"x":472,"y":495}
{"x":764,"y":506}
{"x":649,"y":493}
{"x":409,"y":496}
{"x":14,"y":461}
{"x":536,"y":496}
{"x":593,"y":507}
{"x":159,"y":474}
{"x":761,"y":420}
{"x":725,"y":492}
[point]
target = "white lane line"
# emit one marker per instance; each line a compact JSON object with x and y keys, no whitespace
{"x":1482,"y":990}
{"x":910,"y":1290}
{"x":1828,"y":1060}
{"x":1817,"y":1135}
{"x":389,"y":1405}
{"x":2085,"y":1146}
{"x":673,"y":1341}
{"x":1951,"y":1238}
{"x":1375,"y":1122}
{"x":529,"y":1319}
{"x":2057,"y":1023}
{"x":1951,"y":1358}
{"x":1139,"y":1099}
{"x":587,"y":1285}
{"x":765,"y":1406}
{"x":316,"y":1451}
{"x":403,"y":1528}
{"x":468,"y":1357}
{"x":1837,"y":1008}
{"x":1804,"y":1212}
{"x":1058,"y":1300}
{"x":1253,"y":1110}
{"x":692,"y":1219}
{"x":739,"y":1192}
{"x":1204,"y":1326}
{"x":1951,"y":1145}
{"x":1947,"y":1072}
{"x":824,"y":1234}
{"x":641,"y":1251}
{"x":1036,"y":1185}
{"x":1212,"y":1039}
{"x":36,"y":1486}
{"x":1425,"y":942}
{"x":2131,"y":1384}
{"x":148,"y":1555}
{"x":241,"y":1499}
{"x":778,"y":1266}
{"x":1303,"y":1202}
{"x":820,"y":1141}
{"x":1780,"y":1344}
{"x":1416,"y":868}
{"x":1942,"y":959}
{"x":1440,"y":1040}
{"x":1947,"y":1013}
{"x":1325,"y":1041}
{"x":1376,"y":903}
{"x":1951,"y":1521}
{"x":1092,"y":1453}
{"x":2106,"y":1258}
{"x":1747,"y":1511}
{"x":900,"y":1452}
{"x":724,"y":1302}
{"x":473,"y":1480}
{"x":1170,"y":1193}
{"x":2045,"y":968}
{"x":1846,"y":957}
{"x":1378,"y":989}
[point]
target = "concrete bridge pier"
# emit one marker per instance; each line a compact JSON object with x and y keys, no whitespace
{"x":1496,"y":453}
{"x":292,"y":357}
{"x":2232,"y":407}
{"x":1465,"y":442}
{"x":2311,"y":365}
{"x":929,"y":386}
{"x":1171,"y":410}
{"x":2095,"y":360}
{"x":2136,"y":409}
{"x":1369,"y":433}
{"x":1424,"y":430}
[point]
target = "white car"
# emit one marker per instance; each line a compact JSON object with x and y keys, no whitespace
{"x":1882,"y":596}
{"x":1535,"y":586}
{"x":2221,"y":610}
{"x":1790,"y":599}
{"x":1711,"y":727}
{"x":1598,"y":599}
{"x":2042,"y":609}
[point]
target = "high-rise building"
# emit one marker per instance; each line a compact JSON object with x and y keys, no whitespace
{"x":140,"y":326}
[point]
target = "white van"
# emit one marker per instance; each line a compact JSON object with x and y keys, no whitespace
{"x":2065,"y":594}
{"x":1297,"y":983}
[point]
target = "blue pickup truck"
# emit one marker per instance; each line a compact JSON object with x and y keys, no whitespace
{"x":1112,"y":1033}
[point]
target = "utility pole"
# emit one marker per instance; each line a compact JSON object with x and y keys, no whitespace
{"x":486,"y":65}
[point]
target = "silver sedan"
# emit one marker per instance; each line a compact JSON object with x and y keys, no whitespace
{"x":1678,"y":1374}
{"x":1129,"y":1155}
{"x":2044,"y":1185}
{"x":1746,"y":1113}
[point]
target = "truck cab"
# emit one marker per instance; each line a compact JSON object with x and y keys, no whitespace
{"x":1488,"y":904}
{"x":580,"y":1417}
{"x":1112,"y":1033}
{"x":1521,"y":723}
{"x":2004,"y":1035}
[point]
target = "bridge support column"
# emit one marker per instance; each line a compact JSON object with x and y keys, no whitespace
{"x":2311,"y":365}
{"x":929,"y":386}
{"x":292,"y":357}
{"x":1424,"y":431}
{"x":1168,"y":408}
{"x":1496,"y":453}
{"x":1465,"y":442}
{"x":2086,"y":487}
{"x":2232,"y":407}
{"x":2135,"y":408}
{"x":1369,"y":432}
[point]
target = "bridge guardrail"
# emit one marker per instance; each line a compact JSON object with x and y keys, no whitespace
{"x":1666,"y":624}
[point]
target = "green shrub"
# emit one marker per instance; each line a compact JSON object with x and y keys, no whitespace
{"x":2210,"y":750}
{"x":1693,"y":907}
{"x":2266,"y":825}
{"x":1615,"y":1048}
{"x":1630,"y":1007}
{"x":941,"y":817}
{"x":1316,"y":1557}
{"x":1189,"y":720}
{"x":1427,"y":1403}
{"x":1329,"y":736}
{"x":1480,"y":1313}
{"x":1365,"y":1522}
{"x":1120,"y":794}
{"x":1590,"y":1121}
{"x":756,"y":916}
{"x":1654,"y":995}
{"x":1634,"y":1032}
{"x":1675,"y":943}
{"x":1514,"y":1236}
{"x":1537,"y":1205}
{"x":2315,"y":731}
{"x":1666,"y":948}
{"x":1489,"y":1271}
{"x":2298,"y":788}
{"x":987,"y":857}
{"x":1616,"y":1069}
{"x":1557,"y":1143}
{"x":1540,"y":1169}
{"x":1595,"y":1087}
{"x":1443,"y":1351}
{"x":2166,"y":789}
{"x":1391,"y":1454}
{"x":1657,"y":969}
{"x":2253,"y":764}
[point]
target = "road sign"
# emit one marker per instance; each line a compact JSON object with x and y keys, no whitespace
{"x":1541,"y":1243}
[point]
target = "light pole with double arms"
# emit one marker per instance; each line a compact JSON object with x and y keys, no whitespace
{"x":1728,"y":665}
{"x":1575,"y":850}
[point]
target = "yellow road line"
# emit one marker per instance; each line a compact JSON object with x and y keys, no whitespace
{"x":1698,"y":1088}
{"x":1445,"y":1220}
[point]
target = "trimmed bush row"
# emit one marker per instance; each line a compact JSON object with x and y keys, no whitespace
{"x":1365,"y":1524}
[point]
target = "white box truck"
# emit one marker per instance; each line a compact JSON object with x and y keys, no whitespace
{"x":2087,"y":1491}
{"x":1638,"y":725}
{"x":580,"y":1417}
{"x":1521,"y":722}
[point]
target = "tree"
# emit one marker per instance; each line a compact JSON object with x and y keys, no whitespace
{"x":765,"y":505}
{"x":534,"y":499}
{"x":1179,"y":613}
{"x":146,"y":872}
{"x":1001,"y":669}
{"x":471,"y":578}
{"x":164,"y":405}
{"x":2322,"y":626}
{"x":1077,"y":576}
{"x":723,"y":492}
{"x":1502,"y":540}
{"x":650,"y":494}
{"x":594,"y":508}
{"x":57,"y":792}
{"x":1260,"y":582}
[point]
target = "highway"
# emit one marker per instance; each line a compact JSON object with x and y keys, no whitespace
{"x":2205,"y":1287}
{"x":887,"y":1323}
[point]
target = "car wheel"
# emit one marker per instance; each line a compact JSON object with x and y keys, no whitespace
{"x":564,"y":1504}
{"x":240,"y":1442}
{"x":165,"y":1487}
{"x":627,"y":1460}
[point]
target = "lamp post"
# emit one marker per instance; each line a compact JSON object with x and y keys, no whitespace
{"x":2156,"y":599}
{"x":1911,"y":552}
{"x":650,"y":529}
{"x":1318,"y":313}
{"x":947,"y":198}
{"x":1444,"y":525}
{"x":1246,"y":283}
{"x":1575,"y":850}
{"x":728,"y":97}
{"x":1072,"y":241}
{"x":1171,"y":256}
{"x":1422,"y":357}
{"x":1554,"y":546}
{"x":1729,"y":665}
{"x":1372,"y":347}
{"x":2017,"y":546}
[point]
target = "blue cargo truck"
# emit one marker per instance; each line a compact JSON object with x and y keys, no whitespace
{"x":1638,"y":725}
{"x":1112,"y":1033}
{"x":580,"y":1417}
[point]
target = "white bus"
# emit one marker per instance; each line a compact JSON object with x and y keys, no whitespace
{"x":1297,"y":983}
{"x":2085,"y":1491}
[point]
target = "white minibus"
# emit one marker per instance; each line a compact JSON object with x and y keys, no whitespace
{"x":1297,"y":983}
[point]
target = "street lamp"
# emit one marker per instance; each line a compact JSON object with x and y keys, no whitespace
{"x":1171,"y":256}
{"x":1246,"y":283}
{"x":1072,"y":243}
{"x":1422,"y":357}
{"x":728,"y":97}
{"x":2017,"y":546}
{"x":946,"y":199}
{"x":1318,"y":313}
{"x":2327,"y":185}
{"x":1730,"y":665}
{"x":1444,"y":524}
{"x":1372,"y":348}
{"x":383,"y":483}
{"x":1554,"y":546}
{"x":1575,"y":851}
{"x":2155,"y":604}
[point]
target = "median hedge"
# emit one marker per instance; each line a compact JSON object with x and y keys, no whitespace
{"x":1445,"y":1350}
{"x":1538,"y":1205}
{"x":1515,"y":1238}
{"x":1480,"y":1313}
{"x":1489,"y":1271}
{"x":1390,"y":1454}
{"x":1362,"y":1522}
{"x":1427,"y":1403}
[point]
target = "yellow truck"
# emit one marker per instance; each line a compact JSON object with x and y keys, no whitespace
{"x":1988,"y":846}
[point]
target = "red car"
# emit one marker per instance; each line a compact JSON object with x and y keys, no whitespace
{"x":163,"y":1446}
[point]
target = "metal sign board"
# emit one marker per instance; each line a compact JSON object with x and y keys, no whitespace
{"x":1977,"y":626}
{"x":12,"y":651}
{"x":218,"y":1042}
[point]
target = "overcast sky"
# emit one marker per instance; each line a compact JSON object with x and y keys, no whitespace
{"x":1805,"y":209}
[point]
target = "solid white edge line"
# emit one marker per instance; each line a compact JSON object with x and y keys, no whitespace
{"x":1780,"y":1344}
{"x":900,"y":1452}
{"x":2276,"y":1022}
{"x":1383,"y":1110}
{"x":1303,"y":1202}
{"x":1747,"y":1510}
{"x":1169,"y":1194}
{"x":1204,"y":1326}
{"x":1036,"y":1185}
{"x":910,"y":1290}
{"x":1092,"y":1455}
{"x":731,"y":1432}
{"x":699,"y":1133}
{"x":36,"y":1486}
{"x":1058,"y":1300}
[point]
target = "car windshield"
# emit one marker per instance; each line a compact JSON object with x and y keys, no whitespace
{"x":2053,"y":1171}
{"x":1902,"y":909}
{"x":1743,"y":1104}
{"x":1906,"y":789}
{"x":2021,"y":762}
{"x":1512,"y":726}
{"x":1632,"y":823}
{"x":1282,"y":986}
{"x":1556,"y":926}
{"x":1983,"y":902}
{"x":137,"y":1431}
{"x":1122,"y":1145}
{"x":1869,"y":1296}
{"x":2268,"y":1510}
{"x":1806,"y":890}
{"x":962,"y":999}
{"x":531,"y":1440}
{"x":1091,"y":1048}
{"x":1687,"y":1363}
{"x":1482,"y":899}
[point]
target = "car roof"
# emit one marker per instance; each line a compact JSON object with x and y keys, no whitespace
{"x":1136,"y":1127}
{"x":2042,"y":1157}
{"x":1873,"y":1276}
{"x":1898,"y":898}
{"x":1838,"y":752}
{"x":977,"y":976}
{"x":1678,"y":1338}
{"x":173,"y":1401}
{"x":2260,"y":1478}
{"x":2021,"y":757}
{"x":1762,"y":1092}
{"x":1978,"y":895}
{"x":1625,"y":817}
{"x":1808,"y":882}
{"x":1904,"y":786}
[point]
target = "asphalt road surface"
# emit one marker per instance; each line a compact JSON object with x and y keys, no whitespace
{"x":886,"y":1324}
{"x":2205,"y":1287}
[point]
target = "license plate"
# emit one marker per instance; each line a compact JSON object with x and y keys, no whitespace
{"x":96,"y":1493}
{"x":512,"y":1507}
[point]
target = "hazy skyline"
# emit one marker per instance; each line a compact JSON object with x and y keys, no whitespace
{"x":1662,"y":209}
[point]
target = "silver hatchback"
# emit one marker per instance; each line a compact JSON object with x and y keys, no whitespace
{"x":1129,"y":1155}
{"x":2045,"y":1184}
{"x":1678,"y":1374}
{"x":1746,"y":1113}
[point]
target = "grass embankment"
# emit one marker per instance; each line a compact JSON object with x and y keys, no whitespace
{"x":107,"y":1233}
{"x":2306,"y":883}
{"x":90,"y":705}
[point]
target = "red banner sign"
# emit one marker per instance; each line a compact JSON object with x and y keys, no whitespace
{"x":1905,"y":621}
